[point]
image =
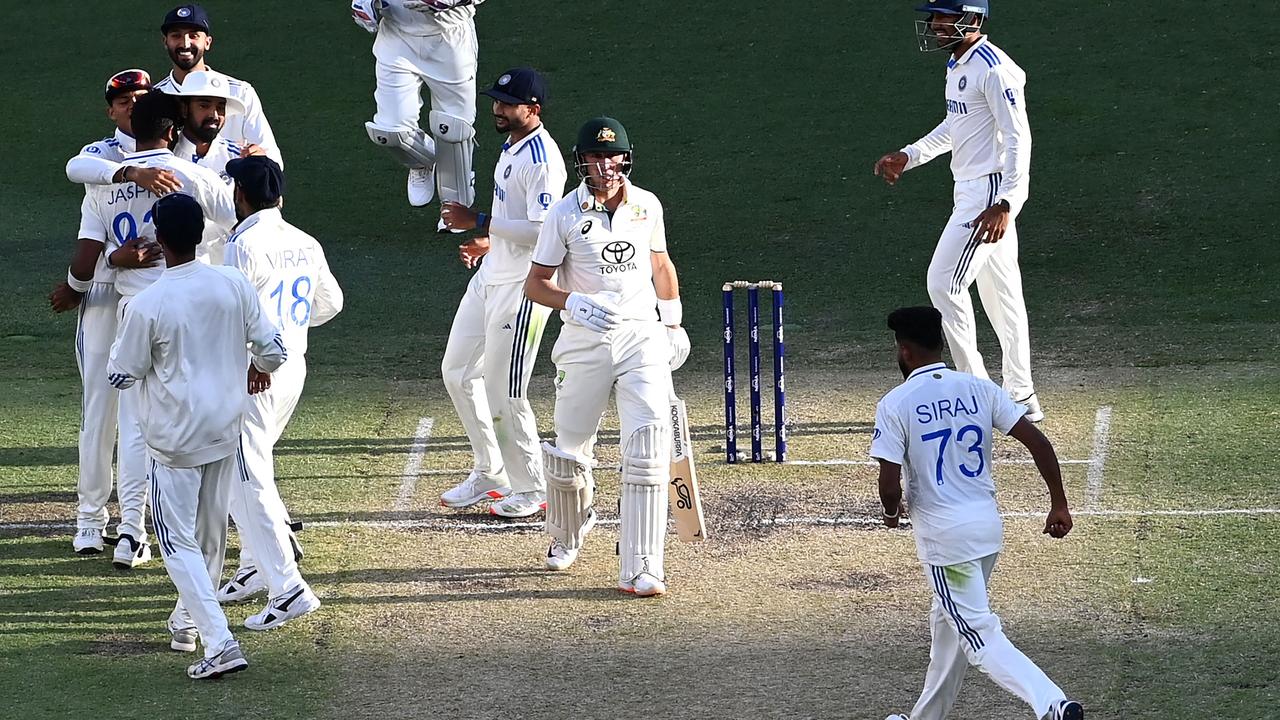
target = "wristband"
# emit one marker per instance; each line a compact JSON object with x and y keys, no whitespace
{"x":75,"y":283}
{"x":670,"y":311}
{"x":481,"y":219}
{"x":895,"y":514}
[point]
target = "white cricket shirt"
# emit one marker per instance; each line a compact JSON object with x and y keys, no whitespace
{"x":251,"y":126}
{"x":288,"y":270}
{"x":938,"y":425}
{"x":986,"y":128}
{"x":183,"y":341}
{"x":598,"y":252}
{"x":221,"y":151}
{"x":417,"y":22}
{"x":97,"y":162}
{"x":112,"y":214}
{"x":529,"y":177}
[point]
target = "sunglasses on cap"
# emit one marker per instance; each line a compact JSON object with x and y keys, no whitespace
{"x":127,"y":81}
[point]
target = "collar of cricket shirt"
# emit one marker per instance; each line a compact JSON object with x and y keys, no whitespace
{"x":587,"y":202}
{"x":927,"y":368}
{"x":982,"y":41}
{"x":127,"y":143}
{"x":155,"y":152}
{"x":515,"y":149}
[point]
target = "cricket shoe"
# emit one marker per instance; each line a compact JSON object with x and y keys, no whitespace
{"x":897,"y":717}
{"x":1067,"y":710}
{"x":422,"y":186}
{"x":88,"y":541}
{"x":561,"y":556}
{"x":475,"y":488}
{"x":182,"y":639}
{"x":130,"y":553}
{"x":279,"y":610}
{"x":228,"y":660}
{"x":1032,"y":403}
{"x":644,"y":585}
{"x":246,"y":583}
{"x":295,"y":546}
{"x":520,"y":505}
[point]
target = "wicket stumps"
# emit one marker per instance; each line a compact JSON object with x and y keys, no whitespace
{"x":779,"y":372}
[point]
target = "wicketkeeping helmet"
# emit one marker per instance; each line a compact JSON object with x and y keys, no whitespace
{"x":969,"y":17}
{"x":602,"y":134}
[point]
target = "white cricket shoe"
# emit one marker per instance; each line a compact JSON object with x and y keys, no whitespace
{"x":279,"y":610}
{"x":520,"y":505}
{"x":475,"y":488}
{"x":422,"y":186}
{"x":897,"y":717}
{"x":182,"y":639}
{"x":1032,"y":403}
{"x":130,"y":553}
{"x":88,"y":541}
{"x":228,"y":660}
{"x":561,"y":556}
{"x":644,"y":585}
{"x":1067,"y":710}
{"x":246,"y":583}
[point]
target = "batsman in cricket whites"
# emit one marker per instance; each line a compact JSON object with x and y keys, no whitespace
{"x":619,"y":299}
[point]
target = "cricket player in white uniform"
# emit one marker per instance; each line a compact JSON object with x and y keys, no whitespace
{"x":987,"y":133}
{"x":207,"y":106}
{"x":187,"y":39}
{"x":288,"y":269}
{"x":494,"y":341}
{"x":182,"y":342}
{"x":616,"y":290}
{"x":100,"y":163}
{"x":98,"y":303}
{"x":118,"y":220}
{"x":937,"y":430}
{"x":432,"y":43}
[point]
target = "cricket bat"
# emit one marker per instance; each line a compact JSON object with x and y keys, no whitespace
{"x":686,"y":504}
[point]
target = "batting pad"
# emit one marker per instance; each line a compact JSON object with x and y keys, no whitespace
{"x":570,"y":493}
{"x":645,"y":470}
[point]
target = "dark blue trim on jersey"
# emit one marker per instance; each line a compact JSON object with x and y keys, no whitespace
{"x":944,"y":596}
{"x":152,"y":153}
{"x":539,"y":150}
{"x":989,"y":56}
{"x":927,"y":368}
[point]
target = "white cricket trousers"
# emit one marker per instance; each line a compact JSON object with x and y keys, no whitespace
{"x":189,"y":511}
{"x":493,"y":345}
{"x":132,"y":460}
{"x":961,"y":259}
{"x":965,"y":632}
{"x":259,"y":513}
{"x":446,"y":64}
{"x":95,"y":331}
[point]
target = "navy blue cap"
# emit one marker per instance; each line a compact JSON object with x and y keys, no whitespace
{"x":519,"y":86}
{"x":179,"y":219}
{"x":192,"y":15}
{"x":956,"y":7}
{"x":259,"y":178}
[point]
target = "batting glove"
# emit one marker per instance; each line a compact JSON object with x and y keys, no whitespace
{"x":366,"y":14}
{"x":598,"y":311}
{"x":679,"y":340}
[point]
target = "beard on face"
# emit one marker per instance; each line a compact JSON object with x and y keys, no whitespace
{"x":902,"y":365}
{"x":182,"y":62}
{"x":501,"y":124}
{"x":206,"y":131}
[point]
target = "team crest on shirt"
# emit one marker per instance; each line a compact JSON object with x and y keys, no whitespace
{"x":506,"y":173}
{"x":638,"y":213}
{"x":606,"y":134}
{"x":964,"y":82}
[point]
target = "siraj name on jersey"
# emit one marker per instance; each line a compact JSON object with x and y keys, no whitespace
{"x":940,"y":409}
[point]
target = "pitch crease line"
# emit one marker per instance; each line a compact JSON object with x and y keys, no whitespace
{"x":1098,"y":460}
{"x":413,"y":465}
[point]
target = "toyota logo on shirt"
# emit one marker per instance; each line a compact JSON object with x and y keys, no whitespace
{"x":618,"y":252}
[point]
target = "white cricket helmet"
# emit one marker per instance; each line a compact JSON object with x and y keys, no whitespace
{"x":203,"y":84}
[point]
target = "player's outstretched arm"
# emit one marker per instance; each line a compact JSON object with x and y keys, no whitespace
{"x":1058,"y":524}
